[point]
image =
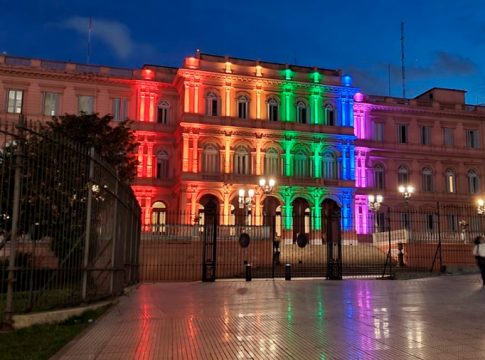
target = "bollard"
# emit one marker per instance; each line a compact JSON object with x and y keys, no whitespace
{"x":248,"y":272}
{"x":288,"y":272}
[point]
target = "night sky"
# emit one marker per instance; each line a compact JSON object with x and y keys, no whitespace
{"x":444,"y":40}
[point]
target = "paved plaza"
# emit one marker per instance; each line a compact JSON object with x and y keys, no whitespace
{"x":435,"y":318}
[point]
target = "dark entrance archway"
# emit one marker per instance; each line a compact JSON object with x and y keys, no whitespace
{"x":209,"y":216}
{"x":331,"y":215}
{"x":301,"y":218}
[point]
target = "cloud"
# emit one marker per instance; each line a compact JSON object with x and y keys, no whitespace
{"x":113,"y":33}
{"x":443,"y":64}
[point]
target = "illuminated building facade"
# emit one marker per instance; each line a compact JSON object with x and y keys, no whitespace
{"x":219,"y":124}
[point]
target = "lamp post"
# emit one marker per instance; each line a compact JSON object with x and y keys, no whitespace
{"x":375,"y":202}
{"x":267,"y":185}
{"x":481,"y":210}
{"x":406,"y":191}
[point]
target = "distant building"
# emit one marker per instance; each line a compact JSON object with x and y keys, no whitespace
{"x":217,"y":125}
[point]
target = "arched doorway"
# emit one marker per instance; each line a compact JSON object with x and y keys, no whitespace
{"x":301,"y":218}
{"x":208,"y":210}
{"x":159,"y":216}
{"x":331,"y":227}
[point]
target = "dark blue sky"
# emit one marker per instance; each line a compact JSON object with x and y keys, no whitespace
{"x":444,"y":45}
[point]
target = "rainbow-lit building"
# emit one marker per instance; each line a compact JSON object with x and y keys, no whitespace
{"x":217,"y":125}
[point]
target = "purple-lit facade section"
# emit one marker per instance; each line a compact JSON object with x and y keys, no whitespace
{"x":361,"y":206}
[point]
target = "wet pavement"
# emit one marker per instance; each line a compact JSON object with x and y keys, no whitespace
{"x":435,"y":318}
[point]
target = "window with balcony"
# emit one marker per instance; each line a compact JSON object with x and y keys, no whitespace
{"x":403,"y":175}
{"x":212,"y":104}
{"x":427,"y":179}
{"x":85,"y":104}
{"x":163,"y":112}
{"x":301,"y":112}
{"x":473,"y":182}
{"x":14,"y":101}
{"x":378,"y":134}
{"x":273,"y":109}
{"x":243,"y":107}
{"x":271,"y":162}
{"x":450,"y":181}
{"x":379,"y":177}
{"x":448,"y":137}
{"x":51,"y":104}
{"x":210,"y":159}
{"x":120,"y":109}
{"x":162,"y":165}
{"x":425,"y":135}
{"x":301,"y":164}
{"x":329,"y":166}
{"x":402,"y":134}
{"x":242,"y":165}
{"x":329,"y":115}
{"x":472,"y":139}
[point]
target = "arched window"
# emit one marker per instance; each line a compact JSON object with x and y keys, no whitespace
{"x":162,"y":165}
{"x":162,"y":112}
{"x":271,"y":162}
{"x":427,"y":179}
{"x":473,"y":182}
{"x":210,"y":159}
{"x":379,"y":177}
{"x":301,"y":164}
{"x":212,"y":104}
{"x":242,"y":161}
{"x":301,"y":113}
{"x":403,"y":175}
{"x":329,"y":114}
{"x":273,"y":109}
{"x":159,"y":217}
{"x":329,"y":166}
{"x":242,"y":107}
{"x":450,"y":181}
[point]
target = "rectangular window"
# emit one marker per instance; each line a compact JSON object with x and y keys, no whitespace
{"x":51,"y":104}
{"x":380,"y":221}
{"x":14,"y":101}
{"x":379,"y":132}
{"x":448,"y":138}
{"x":430,"y":222}
{"x":402,"y":134}
{"x":214,"y":107}
{"x":425,"y":135}
{"x":242,"y":110}
{"x":120,"y":109}
{"x":273,"y":112}
{"x":85,"y":104}
{"x":472,"y":139}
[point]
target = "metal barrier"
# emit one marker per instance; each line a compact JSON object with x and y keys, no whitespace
{"x":69,"y":229}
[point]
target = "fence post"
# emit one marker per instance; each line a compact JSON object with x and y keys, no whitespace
{"x":87,"y":237}
{"x":438,"y":248}
{"x":114,"y":263}
{"x":15,"y":220}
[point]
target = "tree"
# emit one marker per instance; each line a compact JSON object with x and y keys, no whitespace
{"x":115,"y":144}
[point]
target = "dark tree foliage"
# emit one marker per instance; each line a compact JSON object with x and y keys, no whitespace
{"x":115,"y":144}
{"x":55,"y":179}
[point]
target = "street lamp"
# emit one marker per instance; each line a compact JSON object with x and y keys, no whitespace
{"x":481,"y":207}
{"x":406,"y":191}
{"x":375,"y":202}
{"x":246,"y":199}
{"x":267,"y":185}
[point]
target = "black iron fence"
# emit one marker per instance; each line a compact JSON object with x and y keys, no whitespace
{"x":434,"y":239}
{"x":69,"y":229}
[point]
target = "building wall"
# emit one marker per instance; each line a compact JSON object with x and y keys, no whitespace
{"x":177,"y":127}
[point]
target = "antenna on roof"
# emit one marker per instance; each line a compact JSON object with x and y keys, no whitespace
{"x":389,"y":78}
{"x":90,"y":26}
{"x":403,"y":74}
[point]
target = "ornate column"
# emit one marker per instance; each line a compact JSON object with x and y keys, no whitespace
{"x":185,"y":152}
{"x":193,"y":202}
{"x":258,"y":103}
{"x":226,"y":206}
{"x":316,"y":215}
{"x":150,"y":172}
{"x":287,"y":214}
{"x":139,"y":170}
{"x":196,"y":98}
{"x":195,"y":153}
{"x":258,"y":213}
{"x":141,"y":114}
{"x":186,"y":97}
{"x":227,"y":153}
{"x":228,"y":99}
{"x":259,"y":168}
